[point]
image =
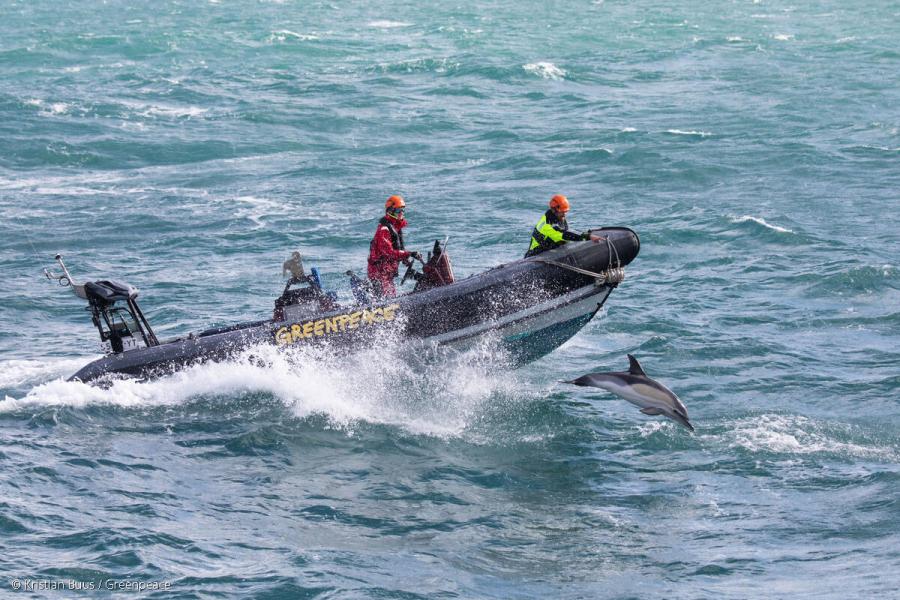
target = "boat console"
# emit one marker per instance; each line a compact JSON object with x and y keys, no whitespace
{"x":295,"y":302}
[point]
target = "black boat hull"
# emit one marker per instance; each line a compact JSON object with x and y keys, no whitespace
{"x":530,"y":306}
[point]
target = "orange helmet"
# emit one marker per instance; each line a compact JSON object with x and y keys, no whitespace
{"x":559,"y":203}
{"x":395,"y":202}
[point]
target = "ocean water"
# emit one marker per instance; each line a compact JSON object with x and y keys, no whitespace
{"x":188,"y":147}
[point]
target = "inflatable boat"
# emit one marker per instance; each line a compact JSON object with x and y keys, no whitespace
{"x":529,"y":307}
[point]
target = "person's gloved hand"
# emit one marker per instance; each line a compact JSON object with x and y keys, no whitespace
{"x":415,"y":256}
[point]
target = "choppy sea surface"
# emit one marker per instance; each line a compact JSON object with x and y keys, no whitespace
{"x":188,"y":147}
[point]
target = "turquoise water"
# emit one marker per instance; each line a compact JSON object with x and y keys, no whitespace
{"x":188,"y":148}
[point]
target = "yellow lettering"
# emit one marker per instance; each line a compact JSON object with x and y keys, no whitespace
{"x":339,"y":323}
{"x":283,"y":336}
{"x":389,"y":312}
{"x":331,"y":325}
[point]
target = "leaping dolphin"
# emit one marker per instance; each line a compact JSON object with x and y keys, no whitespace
{"x":652,"y":397}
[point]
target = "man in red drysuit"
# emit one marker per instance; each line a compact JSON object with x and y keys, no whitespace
{"x":386,"y":249}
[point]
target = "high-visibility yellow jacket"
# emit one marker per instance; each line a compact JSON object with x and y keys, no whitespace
{"x":551,"y":232}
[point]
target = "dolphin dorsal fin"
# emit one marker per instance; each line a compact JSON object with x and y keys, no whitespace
{"x":635,"y":367}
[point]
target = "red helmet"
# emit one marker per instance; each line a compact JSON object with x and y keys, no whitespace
{"x":559,"y":203}
{"x":394,"y":202}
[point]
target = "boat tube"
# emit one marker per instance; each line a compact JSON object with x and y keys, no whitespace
{"x":529,"y":306}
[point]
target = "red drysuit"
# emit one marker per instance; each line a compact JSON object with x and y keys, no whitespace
{"x":385,"y":253}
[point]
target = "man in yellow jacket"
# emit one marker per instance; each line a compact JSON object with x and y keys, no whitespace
{"x":552,"y":229}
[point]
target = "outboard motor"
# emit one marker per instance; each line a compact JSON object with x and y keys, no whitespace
{"x":114,"y":311}
{"x":437,"y":271}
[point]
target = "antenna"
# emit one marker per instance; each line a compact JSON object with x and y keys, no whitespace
{"x":65,"y":279}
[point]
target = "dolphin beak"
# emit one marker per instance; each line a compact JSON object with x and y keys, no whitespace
{"x":684,"y":421}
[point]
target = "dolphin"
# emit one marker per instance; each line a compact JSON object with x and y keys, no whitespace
{"x":652,"y":397}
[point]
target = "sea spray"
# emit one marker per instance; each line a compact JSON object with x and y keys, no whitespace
{"x":382,"y":384}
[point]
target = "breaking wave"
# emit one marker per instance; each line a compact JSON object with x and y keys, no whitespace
{"x":386,"y":24}
{"x":283,"y":35}
{"x":690,"y":133}
{"x":546,"y":70}
{"x":796,"y":434}
{"x":759,"y":221}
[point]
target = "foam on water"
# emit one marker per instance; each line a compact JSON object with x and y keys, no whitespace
{"x":546,"y":70}
{"x":651,"y":427}
{"x":49,"y":108}
{"x":285,"y":34}
{"x":374,"y":386}
{"x":168,"y":111}
{"x":256,"y":209}
{"x":386,"y":24}
{"x":880,"y":148}
{"x":691,"y":133}
{"x":797,"y":434}
{"x":760,"y":221}
{"x":14,"y":373}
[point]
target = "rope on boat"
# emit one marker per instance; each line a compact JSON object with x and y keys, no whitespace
{"x":612,"y":248}
{"x":613,"y":275}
